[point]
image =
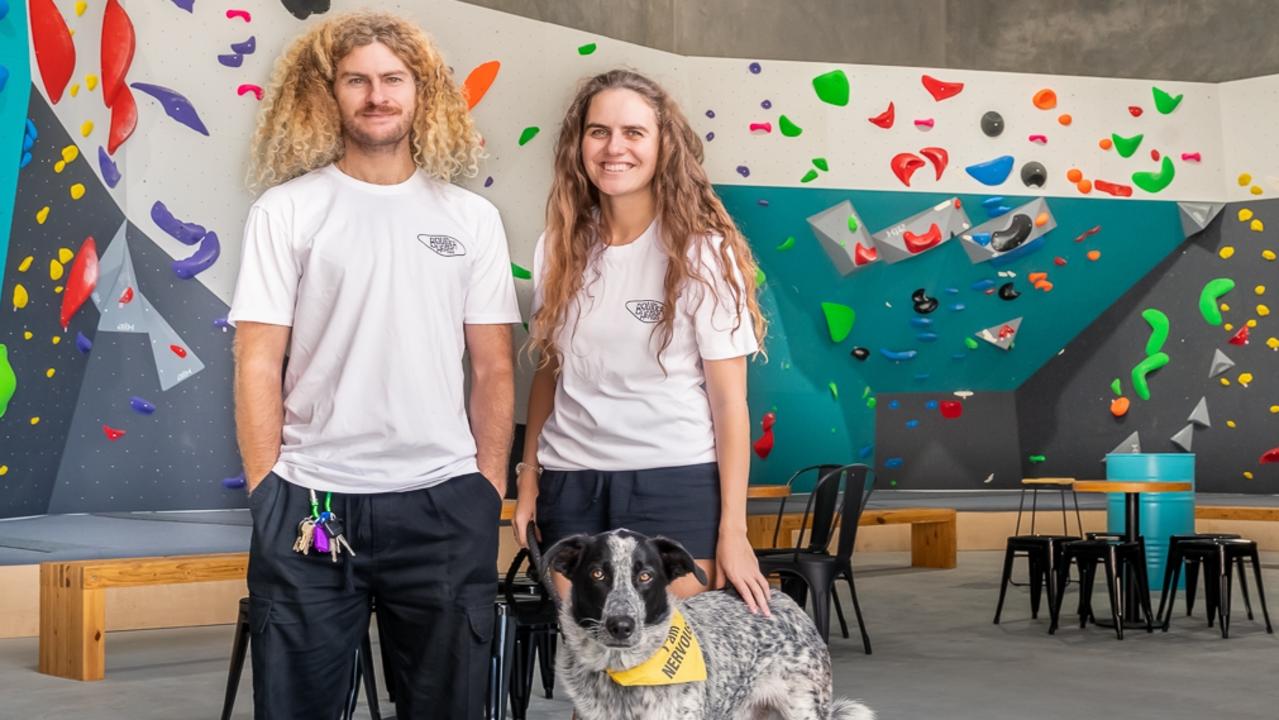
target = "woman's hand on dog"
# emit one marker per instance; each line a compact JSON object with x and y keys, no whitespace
{"x":738,"y":565}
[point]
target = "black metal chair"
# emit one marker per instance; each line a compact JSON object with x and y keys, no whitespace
{"x":363,"y":670}
{"x":1118,"y":558}
{"x":535,"y":627}
{"x":1218,"y":557}
{"x":837,"y":502}
{"x":1045,"y":556}
{"x":1176,"y":561}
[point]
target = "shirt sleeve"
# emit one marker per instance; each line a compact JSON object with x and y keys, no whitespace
{"x":724,"y":328}
{"x":490,"y":299}
{"x":267,"y":287}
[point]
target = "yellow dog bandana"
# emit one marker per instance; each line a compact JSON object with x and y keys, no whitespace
{"x":678,"y":660}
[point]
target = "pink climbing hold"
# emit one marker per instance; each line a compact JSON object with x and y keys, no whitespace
{"x":242,"y":14}
{"x":1190,"y":157}
{"x":924,"y":123}
{"x":1040,"y":139}
{"x":762,"y":128}
{"x":249,"y":87}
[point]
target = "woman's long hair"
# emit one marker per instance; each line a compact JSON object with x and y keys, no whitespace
{"x":688,"y":212}
{"x":299,"y":128}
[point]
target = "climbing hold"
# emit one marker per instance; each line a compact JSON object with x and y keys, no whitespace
{"x":42,"y":214}
{"x":175,"y":105}
{"x":1034,"y":173}
{"x":809,"y":176}
{"x":1240,"y":337}
{"x":1245,"y":379}
{"x":758,"y":128}
{"x":898,"y":355}
{"x":821,"y":164}
{"x":1135,"y":110}
{"x":1065,"y":119}
{"x":1017,"y":232}
{"x":1038,"y":139}
{"x":787,"y":244}
{"x":940,"y":90}
{"x":1262,"y":310}
{"x":1212,"y":292}
{"x":1244,"y":179}
{"x":924,"y":124}
{"x":1119,"y":406}
{"x":1154,"y":155}
{"x":834,"y":390}
{"x":1184,"y":437}
{"x":893,"y":463}
{"x":1158,"y":329}
{"x":1126,"y":146}
{"x":832,"y":87}
{"x":1045,"y":99}
{"x":81,"y":283}
{"x":1084,"y":186}
{"x":1269,"y":456}
{"x":1074,"y":175}
{"x":112,"y":434}
{"x":1259,"y":290}
{"x":970,"y":343}
{"x":951,"y":409}
{"x":1244,"y":215}
{"x":904,"y":166}
{"x":1256,"y":225}
{"x":141,"y":405}
{"x":1008,"y":292}
{"x":860,"y":353}
{"x":1199,"y":416}
{"x":1164,"y":102}
{"x":788,"y":128}
{"x":199,"y":261}
{"x":743,"y":171}
{"x":991,"y":172}
{"x":884,"y":119}
{"x":1036,"y":459}
{"x":1105,"y":143}
{"x":1114,"y":189}
{"x":1190,"y":157}
{"x":938,"y":157}
{"x":528,"y":134}
{"x":1116,"y":387}
{"x":1226,"y":252}
{"x":1144,"y":368}
{"x":992,"y":124}
{"x":586,"y":49}
{"x":110,"y":171}
{"x":839,"y":320}
{"x":77,"y":191}
{"x":923,"y":303}
{"x":1153,"y":182}
{"x":1094,"y":255}
{"x":82,"y":343}
{"x":1268,"y":255}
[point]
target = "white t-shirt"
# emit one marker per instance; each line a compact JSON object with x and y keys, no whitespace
{"x":377,"y":282}
{"x":614,"y":408}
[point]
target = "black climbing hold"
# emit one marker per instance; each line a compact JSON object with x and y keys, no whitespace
{"x":1034,"y":173}
{"x":992,"y":123}
{"x":1008,"y":292}
{"x":1014,"y":235}
{"x":860,"y":353}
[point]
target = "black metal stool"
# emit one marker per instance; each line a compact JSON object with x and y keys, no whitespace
{"x":1219,"y":557}
{"x":1175,"y":560}
{"x":1044,"y":553}
{"x":1118,"y":558}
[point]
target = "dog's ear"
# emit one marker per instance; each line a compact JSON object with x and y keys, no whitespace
{"x":564,"y":555}
{"x":676,"y":561}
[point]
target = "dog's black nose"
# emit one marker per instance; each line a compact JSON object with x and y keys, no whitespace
{"x":620,"y":627}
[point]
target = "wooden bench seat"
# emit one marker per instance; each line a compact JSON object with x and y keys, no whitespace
{"x":933,"y":534}
{"x":73,"y":602}
{"x":1236,"y":512}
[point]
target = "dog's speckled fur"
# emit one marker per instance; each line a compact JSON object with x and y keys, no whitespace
{"x":757,"y":667}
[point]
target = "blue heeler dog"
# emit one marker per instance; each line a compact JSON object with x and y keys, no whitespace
{"x":624,"y":631}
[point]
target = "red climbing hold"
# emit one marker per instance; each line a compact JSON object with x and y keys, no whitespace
{"x":938,"y":157}
{"x":1270,"y":456}
{"x":1088,"y":233}
{"x":1154,"y":155}
{"x":863,"y":255}
{"x":940,"y":90}
{"x":769,"y":419}
{"x":126,"y":297}
{"x":178,"y":350}
{"x":884,"y":119}
{"x":55,"y":53}
{"x":904,"y":166}
{"x":1241,"y":337}
{"x":919,"y":243}
{"x":81,"y":282}
{"x":1135,"y":110}
{"x":112,"y":434}
{"x":118,"y":43}
{"x":764,"y":445}
{"x":1113,"y":188}
{"x":124,"y":118}
{"x":951,"y":409}
{"x":1059,"y":260}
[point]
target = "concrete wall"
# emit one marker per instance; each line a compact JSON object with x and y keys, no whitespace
{"x":1194,"y":40}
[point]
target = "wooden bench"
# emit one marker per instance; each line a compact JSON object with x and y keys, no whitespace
{"x":933,"y":534}
{"x":1233,"y":512}
{"x":73,"y":602}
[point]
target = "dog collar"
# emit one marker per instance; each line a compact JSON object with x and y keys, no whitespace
{"x":678,"y":660}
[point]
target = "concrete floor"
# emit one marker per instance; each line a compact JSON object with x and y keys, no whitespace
{"x":937,"y":655}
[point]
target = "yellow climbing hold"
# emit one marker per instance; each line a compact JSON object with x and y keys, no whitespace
{"x":1259,"y":290}
{"x":1252,"y":322}
{"x":80,"y":7}
{"x":1268,"y":254}
{"x":57,"y":290}
{"x":74,"y":90}
{"x":35,"y":420}
{"x":1272,"y":343}
{"x":1245,"y":378}
{"x":49,"y":373}
{"x":26,"y":263}
{"x":1231,"y":424}
{"x":55,"y":270}
{"x":59,"y":166}
{"x":91,"y":81}
{"x":1262,"y":310}
{"x":1255,"y":190}
{"x":1245,"y":214}
{"x":42,"y":214}
{"x":1226,"y":252}
{"x":86,"y":127}
{"x":1256,"y":225}
{"x":20,"y":296}
{"x":4,"y":470}
{"x":26,"y":335}
{"x":56,"y":339}
{"x":1244,"y":179}
{"x":1274,"y":409}
{"x":1225,"y":382}
{"x":1247,"y":475}
{"x":1228,"y":327}
{"x":1225,"y":308}
{"x":65,"y":255}
{"x":77,"y":191}
{"x":70,"y":153}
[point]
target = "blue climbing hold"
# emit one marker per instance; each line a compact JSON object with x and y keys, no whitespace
{"x":981,"y":238}
{"x":926,"y":337}
{"x":893,"y":463}
{"x":952,"y":291}
{"x":865,"y":451}
{"x":921,"y":377}
{"x":894,"y":404}
{"x":958,"y":307}
{"x":25,"y":161}
{"x":983,"y":285}
{"x":991,"y":172}
{"x":997,"y":211}
{"x":4,"y":77}
{"x":912,"y":424}
{"x":930,"y":405}
{"x":993,"y":201}
{"x":898,"y":355}
{"x":921,"y":322}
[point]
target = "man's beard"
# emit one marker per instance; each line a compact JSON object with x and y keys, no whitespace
{"x":388,"y":139}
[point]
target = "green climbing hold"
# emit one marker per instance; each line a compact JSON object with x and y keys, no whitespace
{"x":1035,"y":459}
{"x":1116,"y":387}
{"x":809,"y":176}
{"x":970,"y":343}
{"x":832,"y":87}
{"x":760,"y":277}
{"x":520,"y":272}
{"x":586,"y":49}
{"x":8,"y":380}
{"x":528,"y":134}
{"x":1153,"y":182}
{"x":871,"y":403}
{"x":1126,"y":146}
{"x":787,"y":244}
{"x":1164,"y":102}
{"x":821,"y":164}
{"x":1208,"y":297}
{"x":834,"y":390}
{"x":852,"y":223}
{"x":1144,"y":368}
{"x":788,"y":128}
{"x":839,"y":320}
{"x":1158,"y":330}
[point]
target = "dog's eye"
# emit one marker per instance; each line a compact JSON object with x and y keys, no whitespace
{"x":645,"y":576}
{"x":597,"y":574}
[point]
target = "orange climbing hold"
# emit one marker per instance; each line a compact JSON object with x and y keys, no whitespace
{"x":1094,"y":255}
{"x":478,"y":81}
{"x":1084,"y":186}
{"x":1065,"y":119}
{"x":1074,"y":175}
{"x":1045,"y":99}
{"x":1042,"y":219}
{"x":1105,"y":143}
{"x":1119,"y":406}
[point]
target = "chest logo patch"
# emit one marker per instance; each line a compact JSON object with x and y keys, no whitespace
{"x":443,"y":245}
{"x":646,"y":311}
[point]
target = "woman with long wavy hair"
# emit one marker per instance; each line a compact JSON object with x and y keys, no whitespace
{"x":645,"y":311}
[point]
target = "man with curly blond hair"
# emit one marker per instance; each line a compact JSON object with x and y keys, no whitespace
{"x":369,"y":482}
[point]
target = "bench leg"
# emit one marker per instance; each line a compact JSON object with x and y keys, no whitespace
{"x":934,"y":545}
{"x":72,"y":625}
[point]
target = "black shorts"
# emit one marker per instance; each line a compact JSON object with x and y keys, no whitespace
{"x":681,"y":503}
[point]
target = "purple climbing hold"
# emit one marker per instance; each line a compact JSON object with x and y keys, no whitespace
{"x":200,"y":260}
{"x":710,"y":114}
{"x":186,"y":233}
{"x":247,"y":47}
{"x":743,"y":171}
{"x":110,"y":171}
{"x":222,"y":323}
{"x":141,"y":405}
{"x":175,"y":105}
{"x":762,"y":202}
{"x":766,"y":104}
{"x":232,"y":60}
{"x":488,"y":181}
{"x":188,"y":5}
{"x":234,"y":483}
{"x":82,"y":343}
{"x":755,"y":68}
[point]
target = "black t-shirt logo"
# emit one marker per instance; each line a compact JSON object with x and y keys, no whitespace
{"x":443,"y":245}
{"x":646,"y":311}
